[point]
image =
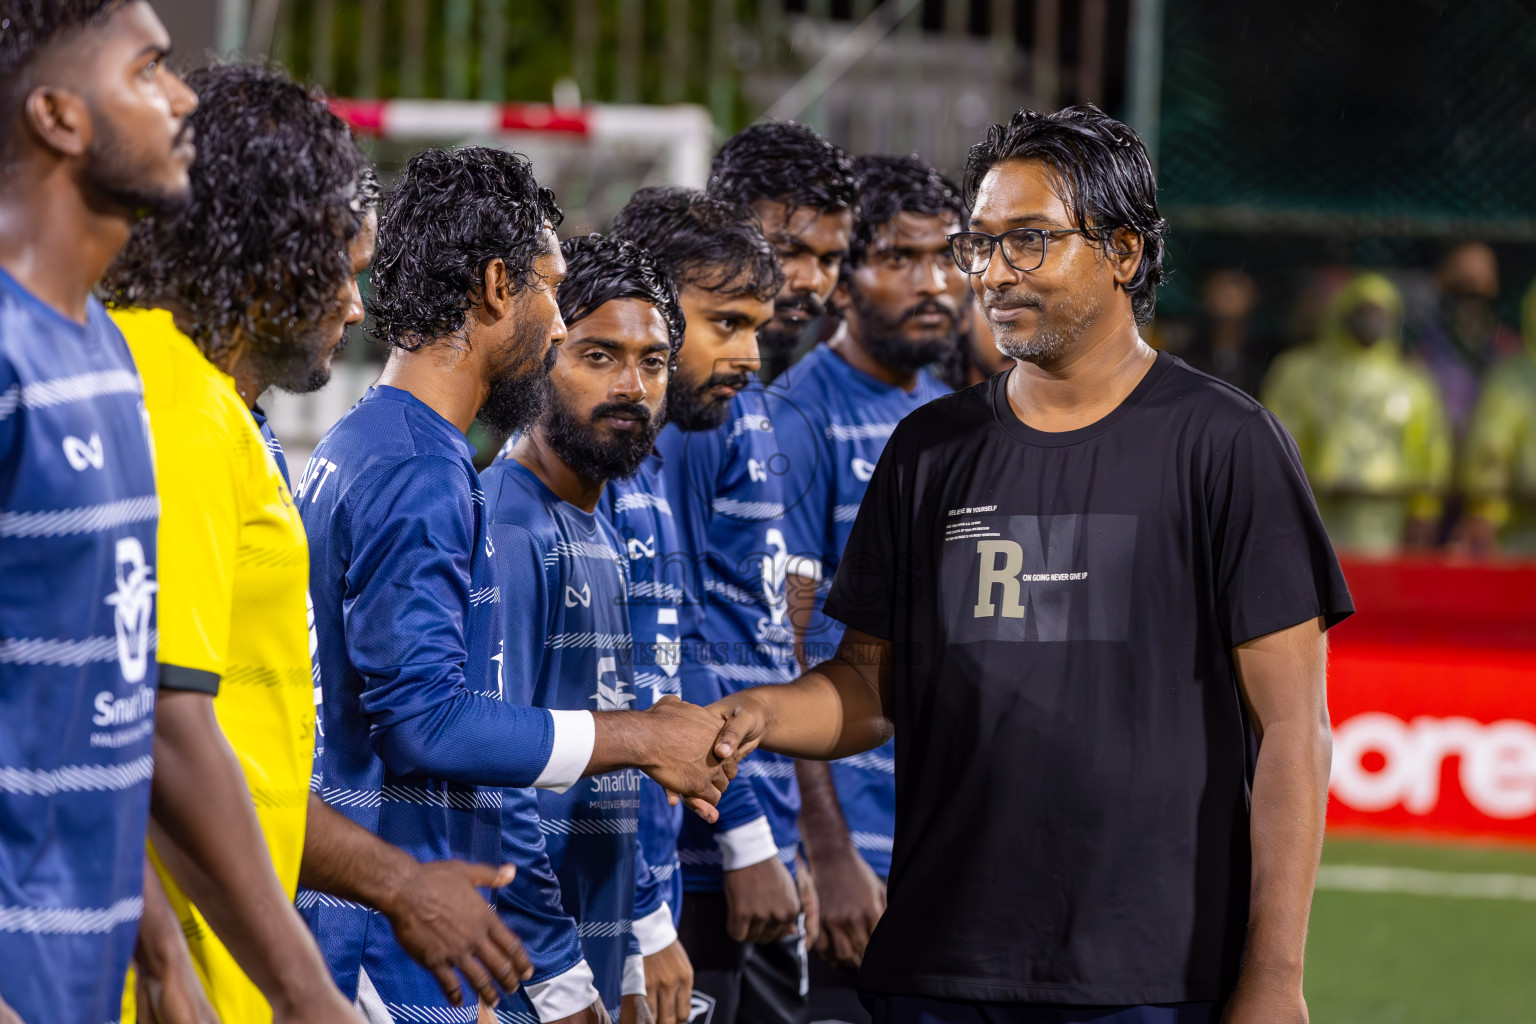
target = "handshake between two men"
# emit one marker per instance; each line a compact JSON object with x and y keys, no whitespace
{"x":834,"y":710}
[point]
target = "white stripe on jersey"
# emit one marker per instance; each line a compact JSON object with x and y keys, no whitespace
{"x":767,"y":769}
{"x":77,"y":778}
{"x":87,"y":519}
{"x":351,"y":797}
{"x":583,"y":549}
{"x":589,"y":826}
{"x":485,"y":595}
{"x":402,"y":1013}
{"x":656,"y":590}
{"x":71,"y":920}
{"x":871,"y":841}
{"x":870,"y":762}
{"x":757,"y":511}
{"x":614,"y":640}
{"x":860,"y":431}
{"x":72,"y":653}
{"x":39,"y":394}
{"x":642,"y":499}
{"x":603,"y":929}
{"x":706,"y":858}
{"x":308,"y":899}
{"x":455,"y":798}
{"x":751,"y":673}
{"x":845,"y":513}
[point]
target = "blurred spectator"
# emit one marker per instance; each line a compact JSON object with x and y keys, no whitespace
{"x":1224,"y":343}
{"x":1498,"y":471}
{"x":1369,"y":423}
{"x":977,"y":357}
{"x":1461,"y":336}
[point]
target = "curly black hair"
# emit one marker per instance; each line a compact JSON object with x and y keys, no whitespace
{"x":279,"y":191}
{"x":889,"y":185}
{"x":600,"y":269}
{"x":449,"y":215}
{"x":27,"y":28}
{"x":1103,"y":173}
{"x":702,"y":241}
{"x":786,"y":163}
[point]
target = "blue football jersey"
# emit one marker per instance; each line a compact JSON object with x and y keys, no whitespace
{"x":78,"y":515}
{"x":658,"y":600}
{"x":832,"y":423}
{"x":417,"y":738}
{"x":726,"y":489}
{"x":570,"y":625}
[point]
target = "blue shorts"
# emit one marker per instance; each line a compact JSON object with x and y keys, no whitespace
{"x":918,"y":1010}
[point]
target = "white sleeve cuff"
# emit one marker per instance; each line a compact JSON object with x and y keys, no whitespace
{"x":575,"y":738}
{"x":804,"y":565}
{"x":634,"y":977}
{"x":745,"y":845}
{"x":655,"y":931}
{"x":565,"y":994}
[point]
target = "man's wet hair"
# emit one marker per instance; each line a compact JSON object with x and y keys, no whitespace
{"x":27,"y":29}
{"x":783,"y":162}
{"x":280,"y":190}
{"x":1102,"y":174}
{"x":450,"y":213}
{"x":889,"y":185}
{"x":600,"y":269}
{"x":702,"y":241}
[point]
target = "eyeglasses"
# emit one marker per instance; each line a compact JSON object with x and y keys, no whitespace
{"x":1023,"y":248}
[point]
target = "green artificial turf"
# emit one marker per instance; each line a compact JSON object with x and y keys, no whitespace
{"x":1389,"y":958}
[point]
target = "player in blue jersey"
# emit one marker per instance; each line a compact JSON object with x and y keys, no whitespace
{"x":92,"y":131}
{"x":562,"y":557}
{"x":741,"y":909}
{"x":801,"y":188}
{"x":223,"y":264}
{"x":902,"y":301}
{"x":419,"y":734}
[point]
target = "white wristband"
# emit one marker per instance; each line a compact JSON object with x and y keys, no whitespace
{"x":563,"y":995}
{"x":575,"y":738}
{"x":745,"y":845}
{"x":634,"y":977}
{"x":655,"y":931}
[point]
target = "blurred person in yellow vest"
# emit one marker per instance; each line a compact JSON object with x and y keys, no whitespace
{"x":1369,"y":423}
{"x":1498,"y":469}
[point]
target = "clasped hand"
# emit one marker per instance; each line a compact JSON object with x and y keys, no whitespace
{"x":697,"y":749}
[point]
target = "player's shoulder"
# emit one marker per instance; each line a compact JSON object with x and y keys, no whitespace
{"x":1194,"y":393}
{"x":515,"y":497}
{"x":948,"y":416}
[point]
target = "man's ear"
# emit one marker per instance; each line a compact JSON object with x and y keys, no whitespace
{"x":60,"y":120}
{"x":1124,"y":251}
{"x":841,"y":297}
{"x":496,"y":291}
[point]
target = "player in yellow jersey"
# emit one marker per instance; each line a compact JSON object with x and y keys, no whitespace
{"x":254,"y":285}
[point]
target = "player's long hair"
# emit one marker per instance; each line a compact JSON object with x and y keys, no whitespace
{"x":786,"y":163}
{"x":889,"y":185}
{"x":1102,"y":172}
{"x":601,"y":269}
{"x":702,"y":241}
{"x":449,"y":215}
{"x":279,"y":191}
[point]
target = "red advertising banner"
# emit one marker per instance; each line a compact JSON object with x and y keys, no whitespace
{"x":1432,"y":693}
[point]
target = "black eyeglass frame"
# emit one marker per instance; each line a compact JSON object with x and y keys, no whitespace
{"x":1046,"y":234}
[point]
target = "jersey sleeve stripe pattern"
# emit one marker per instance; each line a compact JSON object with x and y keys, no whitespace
{"x":71,"y":920}
{"x":63,"y":653}
{"x":77,"y":778}
{"x":88,"y":519}
{"x":81,"y":387}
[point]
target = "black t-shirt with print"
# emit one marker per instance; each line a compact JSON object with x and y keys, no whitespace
{"x":1072,"y":756}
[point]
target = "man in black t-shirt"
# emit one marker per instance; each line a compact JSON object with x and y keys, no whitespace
{"x":1090,"y":596}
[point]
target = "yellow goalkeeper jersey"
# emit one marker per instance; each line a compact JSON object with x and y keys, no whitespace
{"x":234,"y":571}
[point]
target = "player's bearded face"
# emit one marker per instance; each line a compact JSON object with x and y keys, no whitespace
{"x":590,"y":448}
{"x":520,"y":390}
{"x":909,"y":337}
{"x":695,"y":404}
{"x":299,"y":359}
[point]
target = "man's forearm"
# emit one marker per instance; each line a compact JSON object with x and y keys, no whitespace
{"x":205,"y":829}
{"x":822,"y":825}
{"x":341,"y":858}
{"x":1290,"y":796}
{"x":834,"y":710}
